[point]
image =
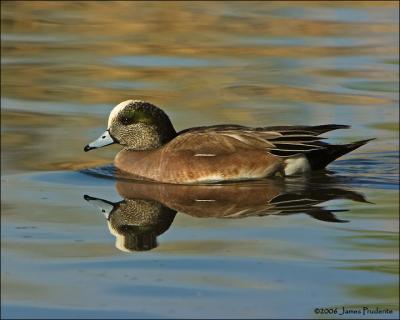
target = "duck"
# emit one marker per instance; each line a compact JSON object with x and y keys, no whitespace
{"x":153,"y":150}
{"x":148,"y":209}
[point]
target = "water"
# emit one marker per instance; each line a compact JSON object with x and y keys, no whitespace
{"x":65,"y":65}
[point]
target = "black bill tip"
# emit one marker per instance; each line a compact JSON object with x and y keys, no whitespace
{"x":88,"y":198}
{"x":88,"y":148}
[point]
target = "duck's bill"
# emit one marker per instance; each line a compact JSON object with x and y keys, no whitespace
{"x":106,"y":207}
{"x":104,"y":140}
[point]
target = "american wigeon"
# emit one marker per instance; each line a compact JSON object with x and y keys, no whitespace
{"x":148,"y":209}
{"x":153,"y":150}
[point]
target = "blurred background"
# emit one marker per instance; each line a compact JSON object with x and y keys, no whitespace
{"x":65,"y":64}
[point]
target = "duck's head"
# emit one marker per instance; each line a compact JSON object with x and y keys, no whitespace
{"x":136,"y":125}
{"x":135,"y":223}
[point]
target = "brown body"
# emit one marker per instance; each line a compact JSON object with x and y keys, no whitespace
{"x":168,"y":166}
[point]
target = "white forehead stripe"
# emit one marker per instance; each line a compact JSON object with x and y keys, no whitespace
{"x":114,"y":112}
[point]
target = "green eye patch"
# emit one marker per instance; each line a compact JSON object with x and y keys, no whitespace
{"x":135,"y":116}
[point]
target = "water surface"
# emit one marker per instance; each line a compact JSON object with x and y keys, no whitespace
{"x":65,"y":65}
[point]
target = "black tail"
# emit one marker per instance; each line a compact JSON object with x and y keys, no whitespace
{"x":319,"y":159}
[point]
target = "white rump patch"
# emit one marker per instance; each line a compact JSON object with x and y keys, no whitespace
{"x":204,"y":200}
{"x":114,"y":112}
{"x":204,"y":155}
{"x":297,"y":165}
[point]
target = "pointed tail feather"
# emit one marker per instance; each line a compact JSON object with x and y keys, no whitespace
{"x":316,"y":130}
{"x":328,"y":127}
{"x":319,"y":159}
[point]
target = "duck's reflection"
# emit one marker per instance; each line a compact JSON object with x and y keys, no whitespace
{"x":148,"y":209}
{"x":135,"y":223}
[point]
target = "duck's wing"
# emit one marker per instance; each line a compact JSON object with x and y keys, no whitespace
{"x":279,"y":141}
{"x":313,"y":130}
{"x":215,"y":143}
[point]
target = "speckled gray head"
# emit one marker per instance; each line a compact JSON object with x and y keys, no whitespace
{"x":136,"y":125}
{"x":135,"y":223}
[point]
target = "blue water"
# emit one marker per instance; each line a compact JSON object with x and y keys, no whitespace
{"x":274,"y":248}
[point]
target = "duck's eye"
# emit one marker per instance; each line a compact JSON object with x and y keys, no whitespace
{"x":126,"y":120}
